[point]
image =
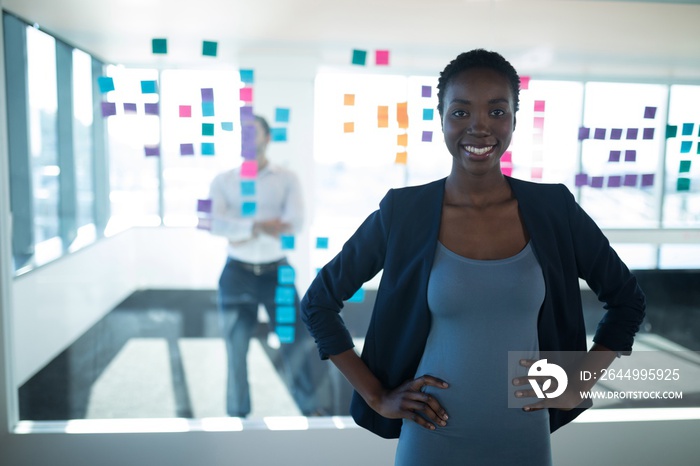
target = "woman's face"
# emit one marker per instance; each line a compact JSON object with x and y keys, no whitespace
{"x":478,"y":120}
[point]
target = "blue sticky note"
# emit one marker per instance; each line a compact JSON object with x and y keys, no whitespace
{"x":359,"y":57}
{"x":105,"y":83}
{"x":247,"y":188}
{"x":248,"y":209}
{"x":207,"y":108}
{"x":686,"y":146}
{"x":208,"y":148}
{"x":321,"y":242}
{"x":209,"y":48}
{"x":285,"y":275}
{"x":285,"y":314}
{"x":683,"y":184}
{"x":278,"y":134}
{"x":159,"y":46}
{"x":428,"y":114}
{"x":287,"y":241}
{"x":207,"y":129}
{"x":247,"y":76}
{"x":285,"y":295}
{"x":149,"y":87}
{"x":282,"y":115}
{"x":687,"y":129}
{"x":227,"y":125}
{"x":358,"y":297}
{"x":285,"y":333}
{"x":685,"y":166}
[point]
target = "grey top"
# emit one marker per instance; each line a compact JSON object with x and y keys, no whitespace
{"x":481,"y":310}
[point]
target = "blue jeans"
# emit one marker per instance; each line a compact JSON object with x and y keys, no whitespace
{"x":241,"y":290}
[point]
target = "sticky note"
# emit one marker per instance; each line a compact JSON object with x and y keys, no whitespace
{"x":698,"y":148}
{"x":581,"y":179}
{"x":401,"y":158}
{"x":649,"y":112}
{"x":647,"y":180}
{"x":349,"y":127}
{"x":227,"y":125}
{"x":536,"y":173}
{"x":152,"y":109}
{"x":539,"y":105}
{"x":381,"y":57}
{"x":152,"y":151}
{"x":630,"y":180}
{"x":287,"y":241}
{"x":208,"y":109}
{"x":596,"y":182}
{"x":428,"y":114}
{"x":109,"y":109}
{"x":426,"y":91}
{"x":616,"y":133}
{"x":683,"y":184}
{"x":247,"y":76}
{"x":632,"y":133}
{"x":630,"y":155}
{"x":614,"y":156}
{"x":204,"y":205}
{"x":584,"y":133}
{"x":685,"y":166}
{"x":524,"y":82}
{"x":614,"y":181}
{"x":247,"y":114}
{"x":348,"y":99}
{"x":507,"y":157}
{"x":159,"y":46}
{"x":247,"y":188}
{"x":248,"y":152}
{"x":105,"y":83}
{"x":671,"y":131}
{"x":285,"y":333}
{"x":207,"y":129}
{"x":427,"y":136}
{"x":648,"y":133}
{"x":207,"y":94}
{"x":186,"y":149}
{"x":208,"y":148}
{"x":278,"y":134}
{"x":185,"y":111}
{"x":149,"y":87}
{"x":285,"y":295}
{"x":382,"y":116}
{"x":687,"y":129}
{"x":129,"y":108}
{"x":358,"y":297}
{"x":248,"y":134}
{"x":209,"y":48}
{"x":246,"y":94}
{"x":507,"y":171}
{"x":285,"y":275}
{"x":538,"y":122}
{"x":282,"y":115}
{"x":359,"y":57}
{"x":686,"y":146}
{"x":402,"y":114}
{"x":285,"y":314}
{"x":599,"y":133}
{"x":248,"y":208}
{"x":322,"y":242}
{"x":249,"y":169}
{"x":402,"y":140}
{"x":203,"y":223}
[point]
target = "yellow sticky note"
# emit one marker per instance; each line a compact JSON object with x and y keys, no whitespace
{"x":402,"y":140}
{"x":349,"y":127}
{"x":401,"y":158}
{"x":402,"y":114}
{"x":349,"y":99}
{"x":382,"y":116}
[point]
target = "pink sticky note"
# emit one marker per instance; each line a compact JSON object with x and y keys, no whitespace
{"x":185,"y":111}
{"x":536,"y":173}
{"x":539,"y":105}
{"x":247,"y":94}
{"x":508,"y":171}
{"x":524,"y":82}
{"x":538,"y":122}
{"x":249,"y":169}
{"x":381,"y":57}
{"x":507,"y":156}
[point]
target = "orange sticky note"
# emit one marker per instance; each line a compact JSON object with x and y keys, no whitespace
{"x":402,"y":140}
{"x":382,"y":116}
{"x":349,"y":127}
{"x":349,"y":99}
{"x":401,"y":158}
{"x":402,"y":114}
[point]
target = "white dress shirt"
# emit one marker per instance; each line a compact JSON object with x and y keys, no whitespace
{"x":277,"y":196}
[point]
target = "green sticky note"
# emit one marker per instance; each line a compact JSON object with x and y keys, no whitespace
{"x":683,"y":184}
{"x":685,"y":166}
{"x":671,"y":131}
{"x":159,"y":46}
{"x":209,"y":48}
{"x":359,"y":57}
{"x":207,"y":129}
{"x":686,"y":146}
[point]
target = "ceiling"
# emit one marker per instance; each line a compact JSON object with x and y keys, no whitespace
{"x":649,"y":40}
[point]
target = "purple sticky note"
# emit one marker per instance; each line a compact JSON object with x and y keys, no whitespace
{"x":599,"y":133}
{"x":109,"y":109}
{"x":632,"y":133}
{"x":581,"y":179}
{"x":186,"y":149}
{"x":614,"y":156}
{"x":616,"y":133}
{"x":207,"y":94}
{"x":631,"y":180}
{"x":426,"y":91}
{"x":630,"y":156}
{"x":596,"y":182}
{"x":584,"y":133}
{"x":248,"y":152}
{"x":246,"y":113}
{"x":614,"y":181}
{"x":647,"y":180}
{"x":427,"y":136}
{"x":151,"y":109}
{"x":129,"y":108}
{"x":204,"y":205}
{"x":152,"y":151}
{"x":648,"y":133}
{"x":650,"y":112}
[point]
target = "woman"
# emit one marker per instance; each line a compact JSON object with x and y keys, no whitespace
{"x":474,"y":266}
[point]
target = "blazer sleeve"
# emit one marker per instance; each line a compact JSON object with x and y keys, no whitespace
{"x":610,"y":280}
{"x":360,"y":259}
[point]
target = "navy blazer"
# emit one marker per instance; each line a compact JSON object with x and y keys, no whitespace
{"x":401,"y":237}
